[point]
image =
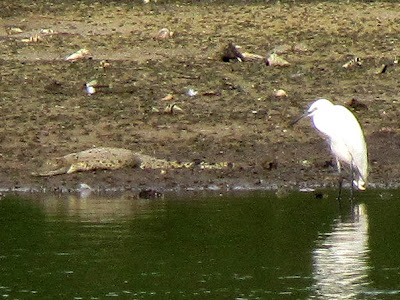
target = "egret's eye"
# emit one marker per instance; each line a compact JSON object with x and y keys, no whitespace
{"x":312,"y":110}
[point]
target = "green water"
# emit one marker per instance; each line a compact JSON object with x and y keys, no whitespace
{"x":248,"y":246}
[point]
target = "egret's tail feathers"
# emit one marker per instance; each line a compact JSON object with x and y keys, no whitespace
{"x":360,"y":184}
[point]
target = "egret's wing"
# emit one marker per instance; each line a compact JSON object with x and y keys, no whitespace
{"x":349,"y":130}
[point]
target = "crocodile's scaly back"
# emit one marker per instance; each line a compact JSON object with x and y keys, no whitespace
{"x":115,"y":158}
{"x":150,"y":162}
{"x":92,"y":159}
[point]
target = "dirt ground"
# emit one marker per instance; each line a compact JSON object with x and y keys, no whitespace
{"x":235,"y":115}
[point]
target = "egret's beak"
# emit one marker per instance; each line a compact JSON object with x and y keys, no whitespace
{"x":306,"y":114}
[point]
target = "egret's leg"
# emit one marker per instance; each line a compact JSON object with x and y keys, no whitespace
{"x":352,"y":185}
{"x":340,"y":180}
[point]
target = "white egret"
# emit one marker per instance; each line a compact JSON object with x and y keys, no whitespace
{"x":345,"y":137}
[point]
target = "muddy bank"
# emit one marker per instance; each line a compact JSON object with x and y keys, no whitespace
{"x":234,"y":115}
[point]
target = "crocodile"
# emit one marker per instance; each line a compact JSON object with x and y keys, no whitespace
{"x":114,"y":158}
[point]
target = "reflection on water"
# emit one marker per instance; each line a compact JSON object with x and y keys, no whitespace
{"x":341,"y":260}
{"x":92,"y":208}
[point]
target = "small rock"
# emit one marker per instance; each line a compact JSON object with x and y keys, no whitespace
{"x":280,"y":93}
{"x":231,"y":52}
{"x":32,"y":39}
{"x":105,"y":64}
{"x":150,"y":194}
{"x":356,"y":61}
{"x":251,"y":56}
{"x":276,"y":61}
{"x":78,"y":54}
{"x":169,"y":97}
{"x":13,"y":30}
{"x":173,"y":109}
{"x":165,"y":34}
{"x":46,"y":31}
{"x":90,"y":87}
{"x":191,"y":93}
{"x":382,"y":69}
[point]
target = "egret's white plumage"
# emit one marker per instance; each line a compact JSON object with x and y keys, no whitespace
{"x":344,"y":135}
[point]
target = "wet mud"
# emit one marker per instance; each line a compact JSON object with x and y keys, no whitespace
{"x":230,"y":111}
